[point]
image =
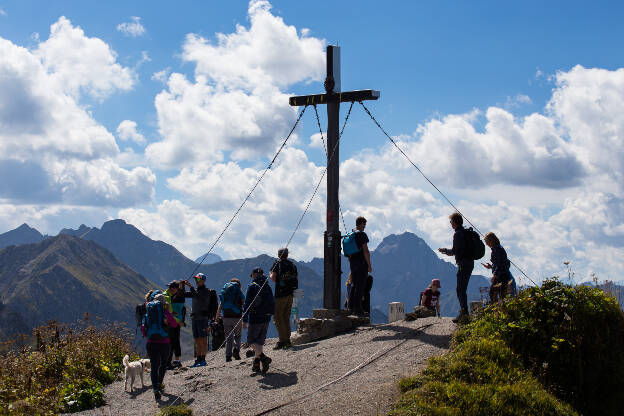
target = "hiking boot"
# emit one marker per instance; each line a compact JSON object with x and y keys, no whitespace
{"x":279,"y":345}
{"x":236,"y":355}
{"x":461,"y":318}
{"x":256,"y":365}
{"x":249,"y":353}
{"x":176,"y":364}
{"x":195,"y":364}
{"x":157,"y":395}
{"x":287,"y":345}
{"x":202,"y":363}
{"x":265,"y":363}
{"x":228,"y":359}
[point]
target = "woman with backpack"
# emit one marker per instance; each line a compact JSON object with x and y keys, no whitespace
{"x":155,"y":323}
{"x":231,"y":301}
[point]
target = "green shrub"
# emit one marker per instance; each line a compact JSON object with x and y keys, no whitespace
{"x":569,"y":337}
{"x":83,"y":395}
{"x":550,"y":350}
{"x":68,"y":365}
{"x":179,"y":410}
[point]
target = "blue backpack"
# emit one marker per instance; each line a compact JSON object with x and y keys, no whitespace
{"x":349,"y":245}
{"x":231,"y":298}
{"x":153,"y":321}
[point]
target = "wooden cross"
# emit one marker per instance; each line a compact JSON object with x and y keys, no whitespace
{"x":333,"y":97}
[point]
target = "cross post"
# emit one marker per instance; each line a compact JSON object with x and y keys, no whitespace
{"x":332,"y":238}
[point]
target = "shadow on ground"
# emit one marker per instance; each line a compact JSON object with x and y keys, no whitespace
{"x":402,"y":332}
{"x":277,"y":380}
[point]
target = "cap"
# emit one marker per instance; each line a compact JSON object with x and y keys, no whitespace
{"x":436,"y":282}
{"x":173,"y":283}
{"x":200,"y":276}
{"x":257,"y":270}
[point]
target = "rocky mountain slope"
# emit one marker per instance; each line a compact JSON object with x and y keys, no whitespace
{"x":21,"y":235}
{"x":63,"y":277}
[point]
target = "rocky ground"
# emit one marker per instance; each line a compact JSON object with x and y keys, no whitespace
{"x":354,"y":373}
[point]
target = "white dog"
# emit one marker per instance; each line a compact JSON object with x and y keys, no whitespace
{"x":133,"y":370}
{"x":147,"y":364}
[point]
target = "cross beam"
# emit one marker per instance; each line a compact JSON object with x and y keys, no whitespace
{"x":333,"y":97}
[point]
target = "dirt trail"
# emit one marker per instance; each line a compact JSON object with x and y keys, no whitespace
{"x":385,"y":353}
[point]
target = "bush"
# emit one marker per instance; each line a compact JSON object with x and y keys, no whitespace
{"x":83,"y":395}
{"x":546,"y":351}
{"x":569,"y":337}
{"x":179,"y":410}
{"x":66,"y":371}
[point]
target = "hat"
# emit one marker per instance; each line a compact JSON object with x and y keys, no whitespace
{"x":200,"y":276}
{"x":257,"y":270}
{"x":436,"y":282}
{"x":173,"y":283}
{"x":282,"y":252}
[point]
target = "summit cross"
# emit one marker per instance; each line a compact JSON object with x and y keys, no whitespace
{"x":333,"y":97}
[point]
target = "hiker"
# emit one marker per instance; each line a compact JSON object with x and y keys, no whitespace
{"x":430,"y":297}
{"x":464,"y":261}
{"x":501,"y":280}
{"x":154,"y":327}
{"x":258,"y":308}
{"x":203,"y":310}
{"x":284,"y":274}
{"x":231,"y":303}
{"x":365,"y":299}
{"x":174,"y":296}
{"x":349,"y":286}
{"x":360,"y":265}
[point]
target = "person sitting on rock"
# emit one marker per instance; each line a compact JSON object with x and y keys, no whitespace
{"x":430,"y":298}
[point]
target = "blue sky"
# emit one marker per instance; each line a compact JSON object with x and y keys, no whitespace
{"x":462,"y":83}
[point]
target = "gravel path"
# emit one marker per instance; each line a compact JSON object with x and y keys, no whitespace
{"x":379,"y":355}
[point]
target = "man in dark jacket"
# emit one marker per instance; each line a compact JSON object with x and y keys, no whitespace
{"x":360,"y":265}
{"x":204,"y":308}
{"x":284,"y":274}
{"x":259,"y":306}
{"x":464,"y":261}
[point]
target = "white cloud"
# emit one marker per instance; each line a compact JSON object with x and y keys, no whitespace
{"x":235,"y":103}
{"x":133,"y":28}
{"x":161,"y":76}
{"x":127,"y":130}
{"x":53,"y":150}
{"x":2,"y":12}
{"x":82,"y":64}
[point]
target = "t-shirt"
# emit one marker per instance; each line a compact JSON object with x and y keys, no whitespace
{"x":430,"y":298}
{"x":357,"y":260}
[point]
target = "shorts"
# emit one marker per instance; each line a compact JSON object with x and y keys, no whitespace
{"x":256,"y":333}
{"x":200,"y":327}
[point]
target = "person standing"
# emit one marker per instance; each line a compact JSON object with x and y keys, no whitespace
{"x":258,"y":308}
{"x":231,"y":301}
{"x":360,"y":265}
{"x":174,"y":298}
{"x":499,"y":264}
{"x":464,"y":261}
{"x":284,"y":274}
{"x":154,"y":327}
{"x":203,"y":310}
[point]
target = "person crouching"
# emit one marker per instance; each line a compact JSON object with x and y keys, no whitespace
{"x":258,"y":308}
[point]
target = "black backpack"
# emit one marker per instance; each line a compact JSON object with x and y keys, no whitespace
{"x":139,"y":313}
{"x":474,"y":245}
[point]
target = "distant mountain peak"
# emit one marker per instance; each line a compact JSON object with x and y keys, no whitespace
{"x":401,"y":242}
{"x":24,"y":234}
